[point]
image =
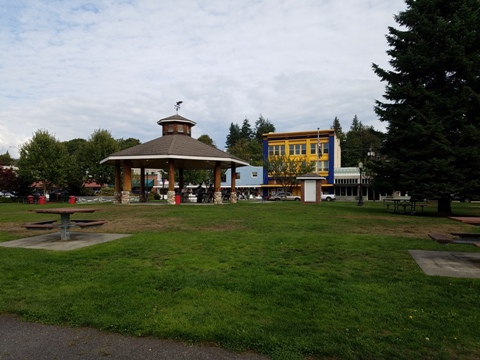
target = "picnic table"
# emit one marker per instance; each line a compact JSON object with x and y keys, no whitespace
{"x":65,"y":222}
{"x":402,"y":203}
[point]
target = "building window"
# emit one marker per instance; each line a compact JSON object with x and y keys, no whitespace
{"x":180,"y":128}
{"x":298,"y":149}
{"x":254,"y":174}
{"x":276,"y":150}
{"x":325,"y":148}
{"x":322,"y":165}
{"x":170,"y":128}
{"x":237,"y":176}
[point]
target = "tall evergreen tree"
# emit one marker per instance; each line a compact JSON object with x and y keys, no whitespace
{"x":338,"y":129}
{"x":262,"y":126}
{"x":234,"y":134}
{"x":432,"y":101}
{"x":358,"y":143}
{"x":247,"y":143}
{"x":246,"y":131}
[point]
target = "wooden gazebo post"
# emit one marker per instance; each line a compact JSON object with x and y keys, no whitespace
{"x":233,"y":177}
{"x":142,"y":185}
{"x":118,"y":183}
{"x":171,"y":182}
{"x":217,"y":195}
{"x":127,"y":181}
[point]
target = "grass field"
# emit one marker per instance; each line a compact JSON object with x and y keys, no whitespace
{"x":284,"y":279}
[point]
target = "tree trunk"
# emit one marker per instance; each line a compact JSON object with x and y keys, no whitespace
{"x":444,"y":208}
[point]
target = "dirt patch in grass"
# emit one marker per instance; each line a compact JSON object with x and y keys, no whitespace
{"x":16,"y":230}
{"x":165,"y":224}
{"x":402,"y":226}
{"x":129,"y":225}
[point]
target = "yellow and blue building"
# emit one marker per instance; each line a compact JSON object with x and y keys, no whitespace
{"x":304,"y":145}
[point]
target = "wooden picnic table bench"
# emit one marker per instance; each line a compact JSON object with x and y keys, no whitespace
{"x":472,"y":220}
{"x":462,"y":238}
{"x":45,"y":225}
{"x":465,"y":235}
{"x":65,"y":222}
{"x":440,"y":238}
{"x":88,"y":223}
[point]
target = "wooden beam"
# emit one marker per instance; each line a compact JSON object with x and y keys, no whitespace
{"x":127,"y":175}
{"x":171,"y":175}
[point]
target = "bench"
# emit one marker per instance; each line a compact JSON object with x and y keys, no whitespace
{"x":467,"y":235}
{"x":88,"y":223}
{"x":422,"y":205}
{"x":45,"y":225}
{"x":445,"y":239}
{"x":50,"y":224}
{"x":388,"y":202}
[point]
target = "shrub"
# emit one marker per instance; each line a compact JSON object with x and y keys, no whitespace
{"x":107,"y":191}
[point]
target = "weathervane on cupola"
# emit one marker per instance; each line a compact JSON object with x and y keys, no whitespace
{"x":177,"y":105}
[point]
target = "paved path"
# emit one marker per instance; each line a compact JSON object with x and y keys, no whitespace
{"x":28,"y":341}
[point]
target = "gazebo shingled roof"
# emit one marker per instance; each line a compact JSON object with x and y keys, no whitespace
{"x":188,"y":154}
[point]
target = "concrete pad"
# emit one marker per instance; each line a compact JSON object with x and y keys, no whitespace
{"x":446,"y":263}
{"x":52,"y":241}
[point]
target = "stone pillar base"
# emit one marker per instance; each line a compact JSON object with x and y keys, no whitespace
{"x":233,"y":198}
{"x":217,"y":197}
{"x":171,"y":197}
{"x":125,"y":197}
{"x":117,"y":197}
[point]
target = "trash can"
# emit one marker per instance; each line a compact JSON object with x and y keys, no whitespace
{"x":72,"y":200}
{"x":30,"y":199}
{"x":41,"y":200}
{"x":177,"y":199}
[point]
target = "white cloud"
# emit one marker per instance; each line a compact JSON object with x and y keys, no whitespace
{"x":73,"y":67}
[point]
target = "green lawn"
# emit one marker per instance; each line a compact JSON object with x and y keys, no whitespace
{"x":288,"y":280}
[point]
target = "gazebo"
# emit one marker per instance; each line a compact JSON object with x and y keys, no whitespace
{"x":175,"y":149}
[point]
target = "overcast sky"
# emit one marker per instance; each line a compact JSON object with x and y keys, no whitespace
{"x":72,"y":67}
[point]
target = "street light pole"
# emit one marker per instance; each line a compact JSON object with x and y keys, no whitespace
{"x":360,"y":197}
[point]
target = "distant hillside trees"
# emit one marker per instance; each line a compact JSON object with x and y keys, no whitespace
{"x":359,"y":143}
{"x":246,"y":143}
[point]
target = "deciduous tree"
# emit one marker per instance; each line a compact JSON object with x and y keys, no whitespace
{"x":44,"y":159}
{"x":100,"y":145}
{"x":285,"y":169}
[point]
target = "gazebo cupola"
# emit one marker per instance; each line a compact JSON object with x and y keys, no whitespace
{"x":176,"y":125}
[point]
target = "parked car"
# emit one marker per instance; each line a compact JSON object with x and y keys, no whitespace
{"x":464,"y":198}
{"x":284,"y":196}
{"x":6,"y":194}
{"x":328,"y":197}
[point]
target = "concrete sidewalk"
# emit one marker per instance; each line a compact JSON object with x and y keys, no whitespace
{"x":448,"y":263}
{"x":51,"y":241}
{"x":31,"y":341}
